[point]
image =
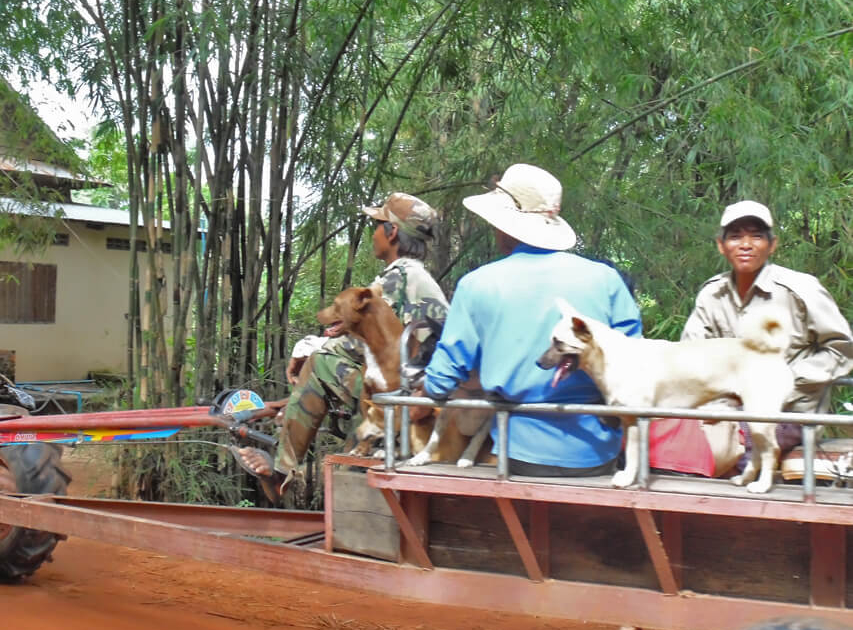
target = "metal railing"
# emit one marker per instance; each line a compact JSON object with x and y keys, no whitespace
{"x":809,"y":422}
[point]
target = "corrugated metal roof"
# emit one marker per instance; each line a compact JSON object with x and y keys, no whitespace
{"x":74,"y":212}
{"x":37,"y":167}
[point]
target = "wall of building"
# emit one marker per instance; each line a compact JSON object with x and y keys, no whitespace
{"x":90,"y":329}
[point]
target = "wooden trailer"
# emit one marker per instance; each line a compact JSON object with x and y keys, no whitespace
{"x":671,"y":553}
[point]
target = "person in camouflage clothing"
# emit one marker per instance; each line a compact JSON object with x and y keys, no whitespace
{"x":326,"y":372}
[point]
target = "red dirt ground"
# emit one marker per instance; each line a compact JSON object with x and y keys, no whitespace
{"x":97,"y":585}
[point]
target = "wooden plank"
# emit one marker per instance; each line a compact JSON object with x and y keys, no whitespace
{"x":408,"y":530}
{"x":828,"y":565}
{"x":673,"y":543}
{"x":656,"y":550}
{"x":540,"y":535}
{"x":749,"y":558}
{"x":469,"y":533}
{"x":519,"y":537}
{"x":749,"y":505}
{"x":361,"y":520}
{"x":416,"y":505}
{"x":599,"y":544}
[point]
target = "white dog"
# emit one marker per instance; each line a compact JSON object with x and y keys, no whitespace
{"x":640,"y":372}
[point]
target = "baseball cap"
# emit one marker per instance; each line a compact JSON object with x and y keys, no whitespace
{"x":411,"y":215}
{"x":743,"y":209}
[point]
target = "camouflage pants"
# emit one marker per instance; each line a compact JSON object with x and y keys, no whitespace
{"x":325,"y":374}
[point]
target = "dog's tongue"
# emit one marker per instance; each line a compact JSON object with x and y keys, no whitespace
{"x":334,"y":330}
{"x":562,"y":369}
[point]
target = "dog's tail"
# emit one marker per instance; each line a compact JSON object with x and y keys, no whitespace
{"x":766,"y":330}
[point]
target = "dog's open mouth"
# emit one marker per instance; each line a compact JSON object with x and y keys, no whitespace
{"x":566,"y":366}
{"x":335,"y":330}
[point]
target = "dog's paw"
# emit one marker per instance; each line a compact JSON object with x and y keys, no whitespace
{"x":622,"y":479}
{"x":738,"y":480}
{"x":759,"y":487}
{"x":419,"y":460}
{"x":379,"y":454}
{"x":464,"y":462}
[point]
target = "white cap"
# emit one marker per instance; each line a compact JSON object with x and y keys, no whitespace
{"x":743,"y":209}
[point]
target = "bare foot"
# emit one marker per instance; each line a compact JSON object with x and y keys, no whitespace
{"x":260,"y":464}
{"x":256,"y":460}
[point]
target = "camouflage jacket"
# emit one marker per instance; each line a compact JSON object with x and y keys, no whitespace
{"x":410,"y":291}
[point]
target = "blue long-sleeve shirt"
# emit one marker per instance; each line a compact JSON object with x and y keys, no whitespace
{"x":500,"y":322}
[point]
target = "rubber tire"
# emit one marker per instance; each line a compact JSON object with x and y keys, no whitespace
{"x":33,"y":469}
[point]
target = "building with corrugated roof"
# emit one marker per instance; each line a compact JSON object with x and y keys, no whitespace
{"x":63,"y":308}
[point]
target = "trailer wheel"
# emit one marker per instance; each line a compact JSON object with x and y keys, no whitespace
{"x":28,"y":469}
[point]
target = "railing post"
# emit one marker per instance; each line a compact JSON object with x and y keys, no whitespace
{"x":389,"y":437}
{"x":503,"y":442}
{"x":808,"y":464}
{"x":643,"y":472}
{"x":405,"y":428}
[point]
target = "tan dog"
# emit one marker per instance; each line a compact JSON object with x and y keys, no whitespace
{"x":640,"y":372}
{"x":363,"y":313}
{"x":458,"y":434}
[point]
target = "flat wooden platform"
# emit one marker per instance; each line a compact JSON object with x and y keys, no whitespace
{"x":681,"y":535}
{"x":665,"y":493}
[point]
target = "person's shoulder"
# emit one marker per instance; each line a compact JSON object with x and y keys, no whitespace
{"x":489,"y":269}
{"x":714,"y":283}
{"x":797,"y":282}
{"x":482,"y":278}
{"x":407,"y":262}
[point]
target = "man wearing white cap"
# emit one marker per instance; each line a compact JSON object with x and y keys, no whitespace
{"x":327,"y":371}
{"x":821,"y":347}
{"x":500,"y":322}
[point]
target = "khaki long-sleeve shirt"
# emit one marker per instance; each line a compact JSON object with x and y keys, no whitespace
{"x":821,"y":347}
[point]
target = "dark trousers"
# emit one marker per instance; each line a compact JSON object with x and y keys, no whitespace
{"x":526,"y":469}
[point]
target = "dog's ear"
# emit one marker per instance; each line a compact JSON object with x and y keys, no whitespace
{"x":580,"y":329}
{"x":362,"y":298}
{"x":376,"y":289}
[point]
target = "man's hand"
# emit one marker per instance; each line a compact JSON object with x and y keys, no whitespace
{"x":416,"y":414}
{"x":294,"y":366}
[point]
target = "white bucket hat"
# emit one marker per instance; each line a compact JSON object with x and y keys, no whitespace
{"x":526,"y":205}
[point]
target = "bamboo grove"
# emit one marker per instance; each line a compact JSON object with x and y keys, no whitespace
{"x":257,"y":128}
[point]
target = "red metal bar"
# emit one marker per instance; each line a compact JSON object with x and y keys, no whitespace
{"x":519,"y":537}
{"x":126,"y":419}
{"x":605,"y":604}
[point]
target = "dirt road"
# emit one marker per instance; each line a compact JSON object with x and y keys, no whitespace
{"x":96,"y":585}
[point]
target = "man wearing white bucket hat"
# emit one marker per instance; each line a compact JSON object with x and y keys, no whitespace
{"x":500,"y":322}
